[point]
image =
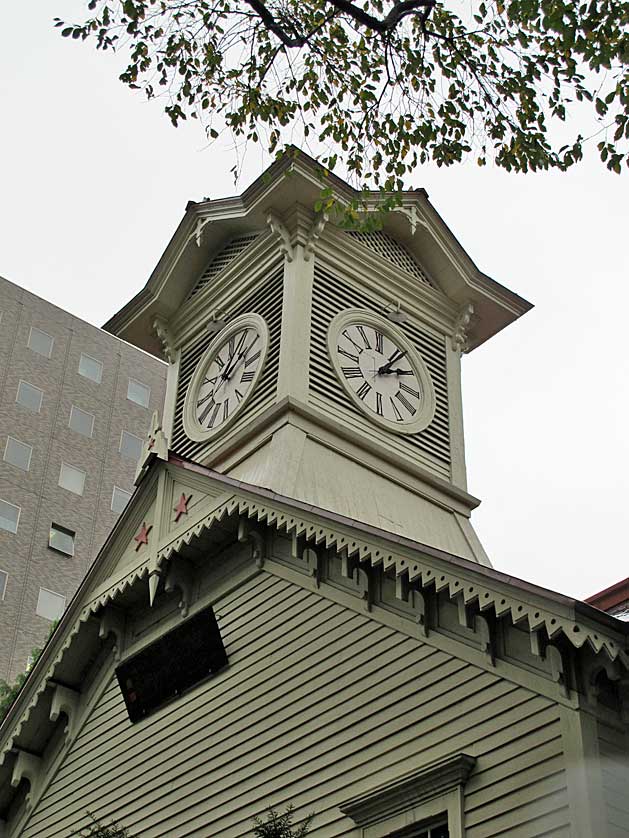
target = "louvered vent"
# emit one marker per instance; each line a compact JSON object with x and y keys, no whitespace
{"x":222,"y":259}
{"x":392,"y":251}
{"x":331,"y":296}
{"x":266,"y":301}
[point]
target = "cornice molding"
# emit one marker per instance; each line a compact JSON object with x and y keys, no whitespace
{"x":410,"y":790}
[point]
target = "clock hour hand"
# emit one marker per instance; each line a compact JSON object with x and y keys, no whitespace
{"x":385,"y":369}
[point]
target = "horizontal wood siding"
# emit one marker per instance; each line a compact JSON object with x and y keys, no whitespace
{"x":319,"y":703}
{"x":614,"y":753}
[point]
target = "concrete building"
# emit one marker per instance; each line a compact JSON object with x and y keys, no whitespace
{"x":294,"y":609}
{"x":75,"y":406}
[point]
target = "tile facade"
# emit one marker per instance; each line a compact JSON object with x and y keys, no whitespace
{"x":26,"y":556}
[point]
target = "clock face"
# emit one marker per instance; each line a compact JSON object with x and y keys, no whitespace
{"x":381,"y":371}
{"x":225,"y":377}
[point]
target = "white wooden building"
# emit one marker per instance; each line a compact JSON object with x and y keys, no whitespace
{"x":294,"y":608}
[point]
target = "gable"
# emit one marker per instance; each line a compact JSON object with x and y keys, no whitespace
{"x":446,"y":653}
{"x":319,"y":703}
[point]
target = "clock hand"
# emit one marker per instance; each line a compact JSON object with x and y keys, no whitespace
{"x":226,"y":375}
{"x":385,"y":369}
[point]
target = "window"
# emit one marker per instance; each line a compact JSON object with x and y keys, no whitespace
{"x":130,"y":446}
{"x":138,"y":392}
{"x":18,"y":453}
{"x":61,"y":539}
{"x":90,"y":368}
{"x":9,"y":516}
{"x":424,"y":803}
{"x":81,"y":421}
{"x":50,"y":605}
{"x":436,"y":829}
{"x":4,"y":578}
{"x":72,"y":479}
{"x":40,"y":342}
{"x":119,"y":499}
{"x":29,"y":396}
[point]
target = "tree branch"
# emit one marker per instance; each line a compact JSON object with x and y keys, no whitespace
{"x":384,"y":25}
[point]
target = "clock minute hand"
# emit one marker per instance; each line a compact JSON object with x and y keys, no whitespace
{"x":233,"y":361}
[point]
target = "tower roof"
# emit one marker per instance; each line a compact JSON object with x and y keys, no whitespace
{"x":296,"y":179}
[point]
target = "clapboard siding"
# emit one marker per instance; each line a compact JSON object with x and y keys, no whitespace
{"x":614,"y":753}
{"x":319,"y":703}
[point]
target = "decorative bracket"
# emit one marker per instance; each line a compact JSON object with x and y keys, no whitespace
{"x":112,"y":622}
{"x":160,"y":327}
{"x":558,"y":672}
{"x":65,"y":700}
{"x":350,"y":569}
{"x":155,"y":447}
{"x":281,"y":233}
{"x":465,"y":618}
{"x":27,"y":767}
{"x":459,"y":333}
{"x":198,"y":233}
{"x":307,"y":557}
{"x":179,"y":575}
{"x":314,"y":234}
{"x":258,"y":544}
{"x":485,"y":632}
{"x":411,"y":214}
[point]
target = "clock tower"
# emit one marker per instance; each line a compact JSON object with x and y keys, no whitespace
{"x":319,"y":363}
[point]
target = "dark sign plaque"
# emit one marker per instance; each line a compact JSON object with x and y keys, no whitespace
{"x":174,"y":663}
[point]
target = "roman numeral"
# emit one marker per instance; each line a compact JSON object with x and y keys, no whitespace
{"x":363,"y":390}
{"x":352,"y":372}
{"x":252,"y":359}
{"x":405,"y":402}
{"x":246,"y":376}
{"x":232,"y":346}
{"x":347,"y":354}
{"x":363,"y":335}
{"x":210,"y":380}
{"x":239,"y":395}
{"x":409,"y":390}
{"x":213,"y":415}
{"x":226,"y":408}
{"x":219,"y":361}
{"x":203,"y":415}
{"x":398,"y":415}
{"x":348,"y":337}
{"x":379,"y":341}
{"x":379,"y":404}
{"x":210,"y":395}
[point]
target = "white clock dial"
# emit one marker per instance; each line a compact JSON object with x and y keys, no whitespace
{"x":381,"y":371}
{"x":225,"y":377}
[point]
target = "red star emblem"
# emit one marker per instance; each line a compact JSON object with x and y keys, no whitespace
{"x":143,"y":536}
{"x":182,"y":506}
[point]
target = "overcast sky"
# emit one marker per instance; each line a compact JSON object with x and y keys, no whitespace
{"x":94,"y":181}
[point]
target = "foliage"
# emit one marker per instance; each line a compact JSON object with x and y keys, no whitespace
{"x":388,"y":83}
{"x":9,"y":692}
{"x":99,"y":830}
{"x":279,"y":825}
